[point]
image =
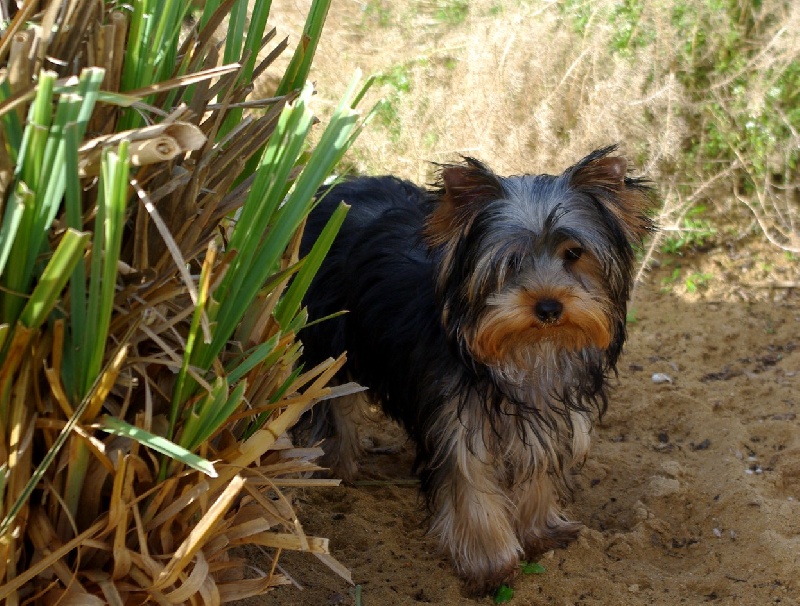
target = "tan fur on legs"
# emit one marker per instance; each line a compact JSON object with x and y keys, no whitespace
{"x":473,"y":514}
{"x":541,"y":523}
{"x":343,"y":449}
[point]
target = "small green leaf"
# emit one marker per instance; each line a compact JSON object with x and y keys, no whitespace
{"x":54,"y":277}
{"x":118,"y":427}
{"x":503,"y":594}
{"x":533,"y":568}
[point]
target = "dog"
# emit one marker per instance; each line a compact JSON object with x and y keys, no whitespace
{"x":486,"y":315}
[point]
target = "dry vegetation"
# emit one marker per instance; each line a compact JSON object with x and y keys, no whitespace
{"x":150,"y":299}
{"x":703,"y":97}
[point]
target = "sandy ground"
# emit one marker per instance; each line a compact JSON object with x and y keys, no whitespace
{"x":691,"y":493}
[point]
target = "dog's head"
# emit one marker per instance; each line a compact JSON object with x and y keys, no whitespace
{"x":533,"y":260}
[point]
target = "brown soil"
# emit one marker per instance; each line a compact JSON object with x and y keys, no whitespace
{"x":691,"y":493}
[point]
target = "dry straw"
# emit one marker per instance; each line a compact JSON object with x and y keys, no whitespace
{"x":148,"y":339}
{"x":701,"y":96}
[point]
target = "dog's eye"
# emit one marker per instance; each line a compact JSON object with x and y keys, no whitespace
{"x":513,"y":263}
{"x":573,"y":253}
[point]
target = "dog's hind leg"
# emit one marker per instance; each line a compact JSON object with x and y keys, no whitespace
{"x":335,"y":423}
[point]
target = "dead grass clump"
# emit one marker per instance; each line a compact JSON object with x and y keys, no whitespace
{"x":150,"y":300}
{"x":702,"y":97}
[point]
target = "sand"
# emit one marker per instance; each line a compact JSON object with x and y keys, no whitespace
{"x":690,"y":495}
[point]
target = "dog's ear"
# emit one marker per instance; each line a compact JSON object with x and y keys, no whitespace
{"x":604,"y":178}
{"x":462,"y":189}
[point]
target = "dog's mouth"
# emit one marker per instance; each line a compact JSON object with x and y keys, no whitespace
{"x":512,"y":326}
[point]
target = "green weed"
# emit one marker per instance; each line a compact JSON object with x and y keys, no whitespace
{"x":397,"y":84}
{"x":668,"y":283}
{"x":451,"y":12}
{"x":379,"y":12}
{"x":695,"y":232}
{"x":630,"y":31}
{"x":698,"y":281}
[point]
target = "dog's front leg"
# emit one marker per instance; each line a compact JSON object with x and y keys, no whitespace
{"x":542,"y":524}
{"x":472,"y":515}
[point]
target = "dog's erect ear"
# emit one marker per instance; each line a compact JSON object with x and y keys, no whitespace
{"x":604,"y":178}
{"x":462,"y":189}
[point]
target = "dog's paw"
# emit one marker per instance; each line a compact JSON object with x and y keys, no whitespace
{"x":486,"y":582}
{"x":544,"y":540}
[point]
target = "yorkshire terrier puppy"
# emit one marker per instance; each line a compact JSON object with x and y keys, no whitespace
{"x":485,"y":315}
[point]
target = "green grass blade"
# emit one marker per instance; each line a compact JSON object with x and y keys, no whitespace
{"x":254,"y":358}
{"x":259,"y":421}
{"x":300,"y":65}
{"x":18,"y":272}
{"x":74,"y":369}
{"x":4,"y":473}
{"x":110,"y":222}
{"x":48,"y":179}
{"x":267,"y":211}
{"x":118,"y":427}
{"x":272,"y":179}
{"x":235,"y":39}
{"x":211,"y":412}
{"x":54,"y":278}
{"x":153,"y":39}
{"x":38,"y":473}
{"x":34,"y":139}
{"x":217,"y":415}
{"x":182,"y":384}
{"x":15,"y":209}
{"x":162,"y":46}
{"x":292,"y":299}
{"x":248,"y":55}
{"x":209,"y":8}
{"x":75,"y":108}
{"x":252,"y":267}
{"x":12,"y":127}
{"x":255,"y":33}
{"x":194,"y":419}
{"x":137,"y":46}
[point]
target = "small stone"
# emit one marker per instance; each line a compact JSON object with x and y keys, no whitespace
{"x":672,"y":469}
{"x":660,"y":377}
{"x":663,"y":487}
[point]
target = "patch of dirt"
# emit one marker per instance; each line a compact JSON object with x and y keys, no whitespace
{"x":691,"y":493}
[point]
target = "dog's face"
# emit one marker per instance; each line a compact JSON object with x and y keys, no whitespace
{"x":532,"y":261}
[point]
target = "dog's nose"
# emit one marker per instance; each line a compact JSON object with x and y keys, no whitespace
{"x":548,"y":310}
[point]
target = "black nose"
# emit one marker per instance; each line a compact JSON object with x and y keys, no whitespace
{"x":548,"y":310}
